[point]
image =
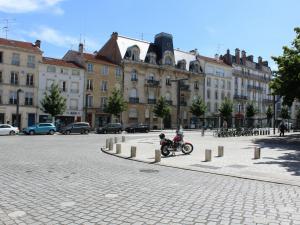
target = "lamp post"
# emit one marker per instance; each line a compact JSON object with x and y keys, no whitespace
{"x":17,"y":109}
{"x":179,"y":82}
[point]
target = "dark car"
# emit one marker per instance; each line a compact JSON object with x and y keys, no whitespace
{"x":79,"y":128}
{"x":137,"y":128}
{"x":110,"y":128}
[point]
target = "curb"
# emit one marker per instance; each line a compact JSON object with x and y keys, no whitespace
{"x":246,"y":177}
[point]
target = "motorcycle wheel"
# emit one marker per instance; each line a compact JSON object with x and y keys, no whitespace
{"x":187,"y":148}
{"x":165,"y":151}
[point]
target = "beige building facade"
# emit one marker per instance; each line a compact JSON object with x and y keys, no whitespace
{"x":19,"y":63}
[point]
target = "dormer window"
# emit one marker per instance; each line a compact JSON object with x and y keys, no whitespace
{"x":182,"y":64}
{"x":195,"y":67}
{"x":133,"y":53}
{"x":168,"y":58}
{"x":151,"y":58}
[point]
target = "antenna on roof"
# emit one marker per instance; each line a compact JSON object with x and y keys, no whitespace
{"x":6,"y":26}
{"x":142,"y":36}
{"x":218,"y":48}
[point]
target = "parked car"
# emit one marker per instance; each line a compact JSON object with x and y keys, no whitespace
{"x":8,"y":129}
{"x":40,"y":128}
{"x":110,"y":128}
{"x":78,"y":127}
{"x":138,"y":128}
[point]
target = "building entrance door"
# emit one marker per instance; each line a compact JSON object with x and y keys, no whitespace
{"x":31,"y":119}
{"x":2,"y":116}
{"x":14,"y":120}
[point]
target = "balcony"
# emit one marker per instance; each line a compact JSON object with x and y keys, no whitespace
{"x":185,"y":87}
{"x":240,"y":97}
{"x":253,"y":87}
{"x":152,"y":83}
{"x":183,"y":103}
{"x":151,"y":101}
{"x":169,"y":102}
{"x":134,"y":100}
{"x":134,"y":79}
{"x":30,"y":65}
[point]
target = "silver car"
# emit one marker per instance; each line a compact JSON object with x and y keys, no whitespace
{"x":7,"y":129}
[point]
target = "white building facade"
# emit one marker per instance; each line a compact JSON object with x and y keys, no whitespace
{"x":71,"y":80}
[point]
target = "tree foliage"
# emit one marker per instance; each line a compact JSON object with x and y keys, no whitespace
{"x":198,"y":107}
{"x":116,"y":103}
{"x":269,"y":113}
{"x":226,"y":109}
{"x":161,"y":108}
{"x":284,"y":112}
{"x":251,"y":111}
{"x":287,"y":78}
{"x":53,"y":102}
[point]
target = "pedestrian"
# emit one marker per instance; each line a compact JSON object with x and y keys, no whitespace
{"x":282,"y":128}
{"x":7,"y":122}
{"x":225,"y":125}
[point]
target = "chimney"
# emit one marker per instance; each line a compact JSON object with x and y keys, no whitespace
{"x":217,"y":56}
{"x":259,"y":60}
{"x":265,"y":63}
{"x":194,"y":51}
{"x":237,"y":55}
{"x":38,"y":43}
{"x":250,"y":58}
{"x":244,"y":57}
{"x":114,"y":35}
{"x":80,"y":48}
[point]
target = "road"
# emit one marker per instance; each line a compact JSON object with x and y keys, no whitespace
{"x":67,"y":180}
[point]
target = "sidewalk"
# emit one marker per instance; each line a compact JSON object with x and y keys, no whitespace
{"x":280,"y":157}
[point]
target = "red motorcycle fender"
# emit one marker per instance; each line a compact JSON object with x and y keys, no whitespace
{"x":188,"y":143}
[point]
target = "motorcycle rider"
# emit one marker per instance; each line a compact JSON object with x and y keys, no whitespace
{"x":178,"y":138}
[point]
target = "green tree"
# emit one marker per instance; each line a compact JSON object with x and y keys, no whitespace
{"x":269,"y":115}
{"x":161,"y":109}
{"x":115,"y":104}
{"x":198,"y":107}
{"x":284,"y":112}
{"x":226,"y":109}
{"x":251,"y":111}
{"x":53,"y":102}
{"x":287,"y":79}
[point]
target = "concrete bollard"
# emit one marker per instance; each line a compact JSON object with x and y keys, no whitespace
{"x":118,"y":148}
{"x":116,"y":139}
{"x":157,"y":155}
{"x":111,"y":144}
{"x":107,"y":143}
{"x":133,"y":152}
{"x":256,"y":153}
{"x":123,"y":138}
{"x":207,"y":155}
{"x":220,"y":151}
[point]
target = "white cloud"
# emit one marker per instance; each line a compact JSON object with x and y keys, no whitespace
{"x":25,"y":6}
{"x":55,"y":37}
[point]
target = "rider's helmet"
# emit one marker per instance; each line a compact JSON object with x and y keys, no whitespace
{"x":162,"y":136}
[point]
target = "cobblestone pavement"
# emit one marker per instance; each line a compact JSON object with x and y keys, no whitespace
{"x":68,"y":180}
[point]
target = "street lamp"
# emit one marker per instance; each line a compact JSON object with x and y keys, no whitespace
{"x":17,"y":109}
{"x":178,"y":81}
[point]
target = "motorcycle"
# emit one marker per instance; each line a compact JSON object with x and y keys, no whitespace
{"x":177,"y":145}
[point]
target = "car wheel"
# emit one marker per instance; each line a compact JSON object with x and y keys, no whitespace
{"x":86,"y":131}
{"x":31,"y":132}
{"x":147,"y":131}
{"x":12,"y":132}
{"x":51,"y":132}
{"x":68,"y":132}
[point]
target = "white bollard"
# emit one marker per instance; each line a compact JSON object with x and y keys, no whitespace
{"x":157,"y":155}
{"x":116,"y":139}
{"x":118,"y":148}
{"x":107,"y":143}
{"x":133,"y":152}
{"x":220,"y":151}
{"x":256,"y":153}
{"x":207,"y":155}
{"x":111,"y":144}
{"x":123,"y":138}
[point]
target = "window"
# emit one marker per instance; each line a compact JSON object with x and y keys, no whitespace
{"x":208,"y":106}
{"x":243,"y":84}
{"x":228,"y":95}
{"x":89,"y":85}
{"x":216,"y":95}
{"x":216,"y":83}
{"x":90,"y":67}
{"x":208,"y":94}
{"x":1,"y":93}
{"x":15,"y":59}
{"x":75,"y":87}
{"x":28,"y":98}
{"x":103,"y":102}
{"x":51,"y":69}
{"x":1,"y":57}
{"x":196,"y":85}
{"x":90,"y":101}
{"x":222,"y":95}
{"x":63,"y":86}
{"x":223,"y":84}
{"x":64,"y":71}
{"x":104,"y":86}
{"x":1,"y":78}
{"x":168,"y":96}
{"x":216,"y":107}
{"x":14,"y":78}
{"x":208,"y":82}
{"x":168,"y":81}
{"x":133,"y":113}
{"x":49,"y":84}
{"x":13,"y":97}
{"x":168,"y":60}
{"x":133,"y":93}
{"x":73,"y":104}
{"x":29,"y":79}
{"x":134,"y":76}
{"x":118,"y":72}
{"x":75,"y":72}
{"x":31,"y":61}
{"x":104,"y":70}
{"x":228,"y":85}
{"x":220,"y":72}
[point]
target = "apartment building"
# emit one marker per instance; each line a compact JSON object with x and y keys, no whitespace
{"x":251,"y":83}
{"x":19,"y":76}
{"x":70,"y":78}
{"x":102,"y":76}
{"x":149,"y":70}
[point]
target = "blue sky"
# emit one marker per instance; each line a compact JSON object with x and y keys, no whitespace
{"x":261,"y":27}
